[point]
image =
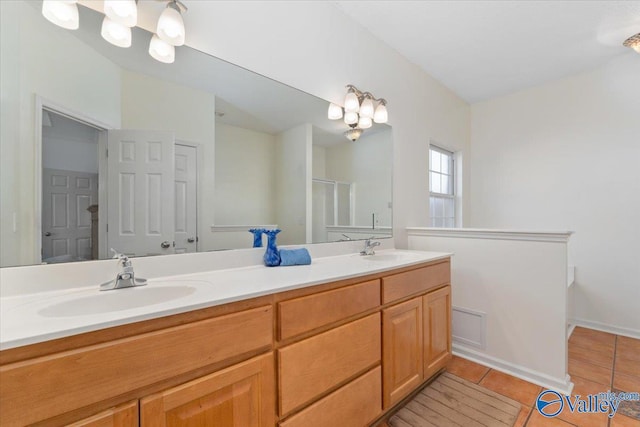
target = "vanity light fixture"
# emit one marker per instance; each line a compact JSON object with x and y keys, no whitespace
{"x":162,"y":51}
{"x":360,"y":111}
{"x":120,"y":17}
{"x":171,"y":25}
{"x":63,"y":13}
{"x":124,"y":12}
{"x":633,"y":42}
{"x":115,"y":32}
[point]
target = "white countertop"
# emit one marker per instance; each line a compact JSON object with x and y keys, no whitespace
{"x":38,"y":317}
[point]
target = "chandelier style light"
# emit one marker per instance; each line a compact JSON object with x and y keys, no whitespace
{"x":120,"y":17}
{"x":360,"y":110}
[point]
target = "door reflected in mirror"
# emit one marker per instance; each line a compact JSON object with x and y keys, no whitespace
{"x":105,"y":148}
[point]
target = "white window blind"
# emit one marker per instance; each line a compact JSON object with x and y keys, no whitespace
{"x":442,"y":200}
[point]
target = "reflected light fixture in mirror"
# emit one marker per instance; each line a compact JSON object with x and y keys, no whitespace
{"x":63,"y":13}
{"x":359,"y":111}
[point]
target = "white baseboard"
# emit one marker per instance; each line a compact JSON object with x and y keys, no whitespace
{"x":561,"y":385}
{"x":617,"y":330}
{"x":570,"y":328}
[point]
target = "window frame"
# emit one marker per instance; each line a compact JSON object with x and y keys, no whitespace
{"x":451,"y":193}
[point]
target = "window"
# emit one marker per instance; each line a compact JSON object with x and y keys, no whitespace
{"x":442,"y":198}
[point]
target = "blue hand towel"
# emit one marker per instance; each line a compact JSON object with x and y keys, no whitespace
{"x":295,"y":257}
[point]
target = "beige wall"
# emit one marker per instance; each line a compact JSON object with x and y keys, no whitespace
{"x":26,"y":57}
{"x":367,"y":164}
{"x":565,"y":156}
{"x":293,"y":183}
{"x":245,"y":173}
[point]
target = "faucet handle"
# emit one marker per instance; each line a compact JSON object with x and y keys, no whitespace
{"x":121,"y":258}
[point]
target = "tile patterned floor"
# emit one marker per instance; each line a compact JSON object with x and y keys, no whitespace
{"x":598,"y":362}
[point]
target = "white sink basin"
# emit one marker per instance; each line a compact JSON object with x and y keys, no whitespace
{"x":116,"y":300}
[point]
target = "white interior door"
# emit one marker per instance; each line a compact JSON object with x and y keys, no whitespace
{"x":185,"y":199}
{"x":141,"y":192}
{"x":66,"y":222}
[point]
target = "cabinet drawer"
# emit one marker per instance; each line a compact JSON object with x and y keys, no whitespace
{"x":124,"y":365}
{"x":416,"y":281}
{"x":304,"y":314}
{"x":313,"y":366}
{"x":355,"y":405}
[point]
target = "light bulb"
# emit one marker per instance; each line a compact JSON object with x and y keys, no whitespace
{"x":350,"y":118}
{"x":351,"y":103}
{"x":171,"y":26}
{"x":161,"y":50}
{"x":62,"y":13}
{"x":381,"y":116}
{"x":365,"y":122}
{"x":124,"y":12}
{"x":366,"y":109}
{"x":116,"y":33}
{"x":335,"y":111}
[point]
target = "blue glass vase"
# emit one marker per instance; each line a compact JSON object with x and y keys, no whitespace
{"x":271,"y":255}
{"x":257,"y":236}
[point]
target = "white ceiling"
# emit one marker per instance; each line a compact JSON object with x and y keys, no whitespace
{"x":484,"y":49}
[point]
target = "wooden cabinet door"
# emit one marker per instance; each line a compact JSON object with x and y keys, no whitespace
{"x":242,"y":395}
{"x":125,"y":415}
{"x":437,"y":330}
{"x":402,"y":350}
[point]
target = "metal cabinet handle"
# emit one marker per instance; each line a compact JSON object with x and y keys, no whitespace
{"x":165,"y":245}
{"x":191,"y":240}
{"x":48,"y":233}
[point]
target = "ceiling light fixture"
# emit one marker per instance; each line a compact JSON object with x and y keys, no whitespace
{"x":633,"y":42}
{"x":63,"y":13}
{"x":360,"y":111}
{"x":353,"y":134}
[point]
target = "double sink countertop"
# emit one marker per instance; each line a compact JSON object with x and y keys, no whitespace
{"x":38,"y":317}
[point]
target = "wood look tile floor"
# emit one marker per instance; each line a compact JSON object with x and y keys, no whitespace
{"x":598,"y":362}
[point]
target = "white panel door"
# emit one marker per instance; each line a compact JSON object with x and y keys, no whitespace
{"x":66,"y":222}
{"x":140,"y":192}
{"x":185,"y":199}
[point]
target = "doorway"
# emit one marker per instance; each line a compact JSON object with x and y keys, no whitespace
{"x":70,"y":198}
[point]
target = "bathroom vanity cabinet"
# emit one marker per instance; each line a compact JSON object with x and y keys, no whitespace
{"x":416,"y":332}
{"x":347,"y":350}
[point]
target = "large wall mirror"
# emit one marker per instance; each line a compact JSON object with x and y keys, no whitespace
{"x":104,"y":147}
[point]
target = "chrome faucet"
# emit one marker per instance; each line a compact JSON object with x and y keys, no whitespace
{"x":124,"y":279}
{"x":369,"y":244}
